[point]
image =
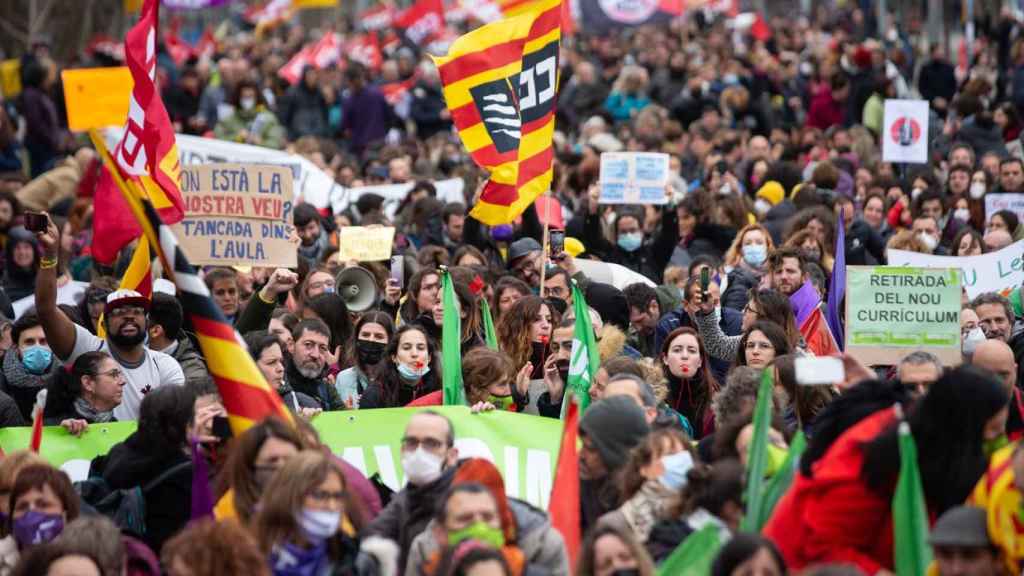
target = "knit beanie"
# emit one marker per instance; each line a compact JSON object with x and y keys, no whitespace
{"x":614,"y":425}
{"x":772,"y":192}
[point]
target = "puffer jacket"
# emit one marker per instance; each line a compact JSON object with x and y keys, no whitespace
{"x":192,"y":363}
{"x":542,"y":545}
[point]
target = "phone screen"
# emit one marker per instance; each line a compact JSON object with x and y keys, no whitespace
{"x":556,"y":242}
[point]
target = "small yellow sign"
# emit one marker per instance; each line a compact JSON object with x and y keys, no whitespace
{"x":96,"y":97}
{"x":10,"y":78}
{"x":365,"y":243}
{"x":132,"y":6}
{"x":301,"y":4}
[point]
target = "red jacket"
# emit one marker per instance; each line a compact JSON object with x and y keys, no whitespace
{"x":835,"y":516}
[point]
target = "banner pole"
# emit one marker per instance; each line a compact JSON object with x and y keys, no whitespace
{"x":544,"y":246}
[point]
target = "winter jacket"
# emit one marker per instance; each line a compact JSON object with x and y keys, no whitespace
{"x":133,"y":463}
{"x":43,"y":135}
{"x":622,"y":107}
{"x":541,"y":544}
{"x":261,"y":125}
{"x":652,"y":256}
{"x":425,"y":111}
{"x":825,"y":111}
{"x":639,"y":514}
{"x":9,"y":414}
{"x":192,"y":363}
{"x":833,"y":516}
{"x":351,"y":383}
{"x":937,"y":79}
{"x":318,"y":388}
{"x":52,"y":186}
{"x":741,"y":280}
{"x":303,"y":112}
{"x":864,"y":246}
{"x":22,"y":386}
{"x":408,"y":513}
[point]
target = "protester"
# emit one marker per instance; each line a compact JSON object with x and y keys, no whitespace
{"x":961,"y":543}
{"x":409,"y":370}
{"x":306,"y":369}
{"x":373,"y":331}
{"x":42,"y":501}
{"x":608,"y":551}
{"x":209,"y":548}
{"x":748,"y":553}
{"x":85,"y":394}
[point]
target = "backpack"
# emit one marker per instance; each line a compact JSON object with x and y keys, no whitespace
{"x":125,"y":506}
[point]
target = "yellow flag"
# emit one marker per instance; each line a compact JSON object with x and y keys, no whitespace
{"x":96,"y":97}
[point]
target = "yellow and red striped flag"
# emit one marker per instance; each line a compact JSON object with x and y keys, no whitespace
{"x":247,"y":397}
{"x":500,"y":83}
{"x":510,"y":8}
{"x":147,"y":154}
{"x":138,"y":277}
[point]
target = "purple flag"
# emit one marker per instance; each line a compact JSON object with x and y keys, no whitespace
{"x":804,"y":302}
{"x":202,"y":497}
{"x":191,"y":4}
{"x":837,"y":287}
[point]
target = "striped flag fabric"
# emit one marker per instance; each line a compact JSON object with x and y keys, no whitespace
{"x":564,"y":505}
{"x":247,"y":397}
{"x":811,"y":321}
{"x":500,"y":83}
{"x":147,"y":154}
{"x":584,"y":359}
{"x":511,"y":8}
{"x":451,"y":344}
{"x":138,"y":277}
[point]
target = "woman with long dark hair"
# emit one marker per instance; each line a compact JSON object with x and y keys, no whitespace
{"x":761,"y":343}
{"x":469,"y":310}
{"x":842,"y":510}
{"x":373,"y":332}
{"x":691,"y":385}
{"x":524,"y":332}
{"x":411,"y":368}
{"x":764,"y":304}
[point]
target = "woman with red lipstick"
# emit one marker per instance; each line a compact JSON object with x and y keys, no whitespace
{"x":410,"y":369}
{"x":690,"y":382}
{"x":524,"y":332}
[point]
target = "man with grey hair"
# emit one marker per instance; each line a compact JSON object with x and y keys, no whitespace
{"x":632,"y":386}
{"x":995,"y":315}
{"x":918,"y":370}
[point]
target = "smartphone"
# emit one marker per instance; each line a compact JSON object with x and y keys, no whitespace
{"x":556,"y":242}
{"x":819,"y":370}
{"x":35,"y":221}
{"x":705,"y":282}
{"x":722,"y":167}
{"x":398,"y":270}
{"x":221,"y":427}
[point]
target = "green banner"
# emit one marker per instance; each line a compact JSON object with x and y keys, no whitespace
{"x":893,"y":309}
{"x":523,"y":447}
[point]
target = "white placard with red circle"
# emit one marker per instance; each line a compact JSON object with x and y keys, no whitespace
{"x":905,"y":132}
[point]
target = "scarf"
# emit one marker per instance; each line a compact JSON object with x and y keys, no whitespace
{"x":292,"y":560}
{"x":647,"y":507}
{"x":90,"y":414}
{"x":16,"y":374}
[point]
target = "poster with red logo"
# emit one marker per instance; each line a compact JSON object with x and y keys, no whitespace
{"x":905,"y":131}
{"x":608,"y":14}
{"x":422,"y":22}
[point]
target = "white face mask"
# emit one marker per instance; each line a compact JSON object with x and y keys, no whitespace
{"x":977,"y":190}
{"x":318,"y":525}
{"x":962,"y":214}
{"x":247,"y":103}
{"x":915,"y":193}
{"x":762,"y":206}
{"x":974,"y":337}
{"x":928,"y":240}
{"x":421,"y":467}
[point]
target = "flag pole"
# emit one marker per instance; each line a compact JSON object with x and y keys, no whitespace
{"x":133,"y":200}
{"x":544,"y":247}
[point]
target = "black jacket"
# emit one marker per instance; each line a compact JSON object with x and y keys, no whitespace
{"x":318,"y":388}
{"x":169,"y":504}
{"x":937,"y":80}
{"x":864,"y":246}
{"x":741,"y":281}
{"x":9,"y":413}
{"x":650,"y":259}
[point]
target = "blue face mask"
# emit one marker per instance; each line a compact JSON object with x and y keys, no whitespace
{"x":631,"y":242}
{"x":36,"y":359}
{"x":409,"y":373}
{"x":755,"y":254}
{"x":676,"y":466}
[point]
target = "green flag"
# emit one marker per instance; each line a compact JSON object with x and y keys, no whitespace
{"x":694,"y":556}
{"x":780,"y":482}
{"x":909,"y":516}
{"x":451,"y":344}
{"x":485,"y":313}
{"x":758,"y":458}
{"x":584,"y":358}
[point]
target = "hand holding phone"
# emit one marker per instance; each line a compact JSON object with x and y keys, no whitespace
{"x":705,"y":283}
{"x":556,"y":243}
{"x":35,"y":221}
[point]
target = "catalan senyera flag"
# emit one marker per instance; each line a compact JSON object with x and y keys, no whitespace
{"x":1003,"y":501}
{"x":516,"y":7}
{"x":247,"y":397}
{"x":138,"y":277}
{"x":500,"y":83}
{"x":146,"y":155}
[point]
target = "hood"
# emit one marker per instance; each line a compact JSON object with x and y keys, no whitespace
{"x":611,"y":342}
{"x":528,"y":517}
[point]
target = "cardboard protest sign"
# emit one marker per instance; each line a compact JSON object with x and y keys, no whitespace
{"x":523,"y":447}
{"x":892,"y":311}
{"x":1009,"y":201}
{"x":237,"y":214}
{"x":633,"y":178}
{"x":1000,"y":271}
{"x":96,"y":97}
{"x":365,"y":244}
{"x":905,"y":131}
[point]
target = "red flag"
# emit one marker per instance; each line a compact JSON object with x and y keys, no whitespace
{"x":564,"y":506}
{"x":365,"y":49}
{"x":37,"y":421}
{"x":292,"y":71}
{"x":326,"y":51}
{"x":147,"y":155}
{"x":760,"y":29}
{"x":377,"y":18}
{"x":422,"y":22}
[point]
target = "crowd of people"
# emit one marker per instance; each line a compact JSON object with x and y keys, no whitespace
{"x":773,"y":141}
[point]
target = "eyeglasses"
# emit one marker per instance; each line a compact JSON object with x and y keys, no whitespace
{"x":430,"y":444}
{"x":115,"y":373}
{"x":127,"y":311}
{"x":323,"y":496}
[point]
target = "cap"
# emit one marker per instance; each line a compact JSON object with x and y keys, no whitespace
{"x":164,"y":286}
{"x":521,"y":248}
{"x":124,"y":297}
{"x":574,"y":247}
{"x":605,"y":142}
{"x":961,"y":526}
{"x":772,"y":192}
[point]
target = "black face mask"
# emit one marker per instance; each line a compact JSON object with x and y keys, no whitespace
{"x":626,"y":572}
{"x":369,"y":352}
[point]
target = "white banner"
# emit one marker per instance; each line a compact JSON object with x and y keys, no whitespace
{"x":1010,"y":201}
{"x":310,"y":184}
{"x":999,"y":271}
{"x":450,"y":190}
